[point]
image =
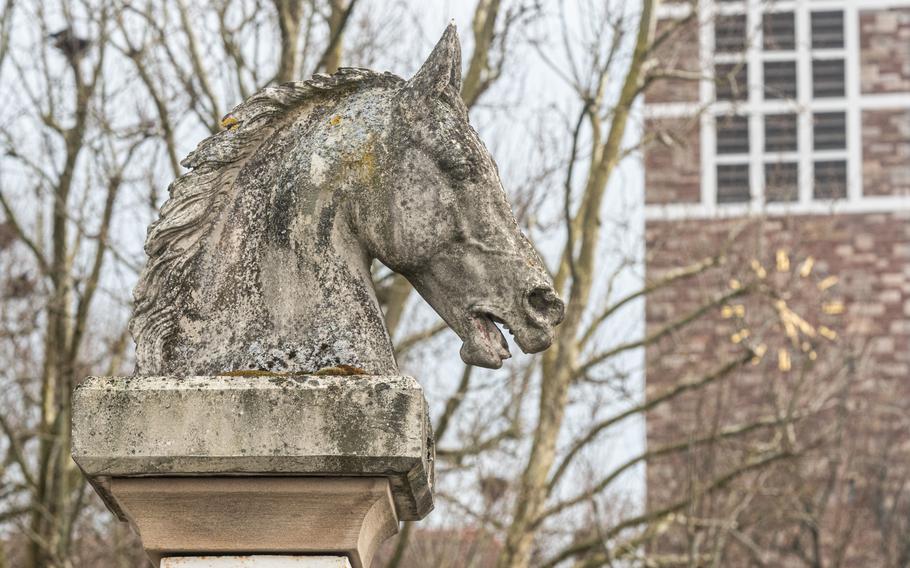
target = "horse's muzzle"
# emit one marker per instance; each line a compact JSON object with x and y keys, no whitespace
{"x":543,"y":306}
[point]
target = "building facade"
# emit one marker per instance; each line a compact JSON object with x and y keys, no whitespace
{"x":779,"y":141}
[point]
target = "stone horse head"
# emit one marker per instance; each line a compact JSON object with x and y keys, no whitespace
{"x":261,"y":257}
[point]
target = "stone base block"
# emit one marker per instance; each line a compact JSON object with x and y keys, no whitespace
{"x":331,"y":426}
{"x":221,"y":516}
{"x":268,"y":464}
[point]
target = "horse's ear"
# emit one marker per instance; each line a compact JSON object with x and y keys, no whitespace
{"x":442,"y":68}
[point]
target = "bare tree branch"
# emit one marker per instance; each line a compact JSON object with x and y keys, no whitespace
{"x":674,"y":391}
{"x":673,"y":326}
{"x":22,"y":236}
{"x":601,"y":558}
{"x":668,"y":279}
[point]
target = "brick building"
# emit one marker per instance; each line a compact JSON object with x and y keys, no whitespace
{"x":781,"y":135}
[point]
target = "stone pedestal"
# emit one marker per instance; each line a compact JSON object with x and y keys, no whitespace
{"x":246,"y":465}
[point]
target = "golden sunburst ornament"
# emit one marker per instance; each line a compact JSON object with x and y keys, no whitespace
{"x":797,"y":296}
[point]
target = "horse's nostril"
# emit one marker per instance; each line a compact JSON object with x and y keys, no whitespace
{"x":546,"y":303}
{"x":541,"y":298}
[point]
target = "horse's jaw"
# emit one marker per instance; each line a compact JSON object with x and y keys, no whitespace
{"x":480,"y":296}
{"x":484,"y":344}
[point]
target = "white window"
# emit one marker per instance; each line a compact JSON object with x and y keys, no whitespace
{"x":780,"y":122}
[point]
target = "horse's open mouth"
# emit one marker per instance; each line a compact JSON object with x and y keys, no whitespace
{"x":485,"y":345}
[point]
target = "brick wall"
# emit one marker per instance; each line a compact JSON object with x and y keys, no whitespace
{"x":886,"y":151}
{"x":854,"y":481}
{"x":885,"y":45}
{"x":672,"y":161}
{"x":870,"y":256}
{"x":677,"y":63}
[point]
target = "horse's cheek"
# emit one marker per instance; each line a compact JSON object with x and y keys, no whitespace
{"x":385,"y":223}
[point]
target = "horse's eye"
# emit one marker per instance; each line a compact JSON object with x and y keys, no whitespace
{"x":457,"y":169}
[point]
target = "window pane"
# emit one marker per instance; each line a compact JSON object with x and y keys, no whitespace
{"x":827,"y":29}
{"x":780,"y":133}
{"x":830,"y":130}
{"x":732,"y":80}
{"x":733,"y":183}
{"x":830,"y":179}
{"x":781,"y":182}
{"x":779,"y":31}
{"x":780,"y":80}
{"x":828,"y":77}
{"x":730,"y":34}
{"x":732,"y":135}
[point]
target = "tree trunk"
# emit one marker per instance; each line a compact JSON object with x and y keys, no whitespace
{"x":289,"y":12}
{"x":560,"y":361}
{"x":337,"y":22}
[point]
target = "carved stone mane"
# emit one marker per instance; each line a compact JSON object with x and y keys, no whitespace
{"x":199,"y":197}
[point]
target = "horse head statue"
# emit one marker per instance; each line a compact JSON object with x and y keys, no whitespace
{"x":260,"y":260}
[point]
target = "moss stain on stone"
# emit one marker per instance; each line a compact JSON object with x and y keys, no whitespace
{"x":342,"y":370}
{"x":338,"y":370}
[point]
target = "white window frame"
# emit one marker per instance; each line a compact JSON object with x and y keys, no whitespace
{"x":756,"y":107}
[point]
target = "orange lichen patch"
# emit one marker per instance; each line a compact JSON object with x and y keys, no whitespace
{"x":369,"y":165}
{"x":363,"y":162}
{"x":341,"y":370}
{"x":229,"y":122}
{"x":335,"y":120}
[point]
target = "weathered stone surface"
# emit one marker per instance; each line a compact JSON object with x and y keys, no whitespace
{"x":257,"y":425}
{"x":261,"y":258}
